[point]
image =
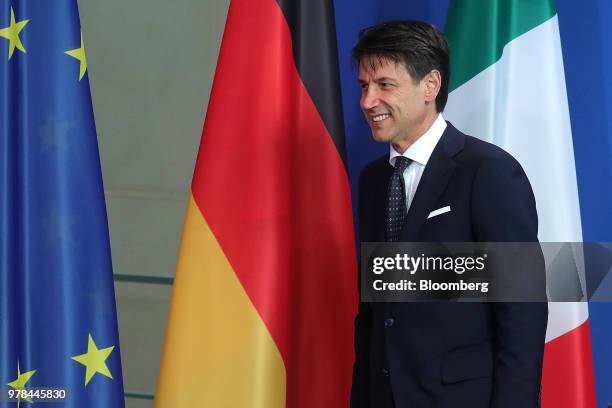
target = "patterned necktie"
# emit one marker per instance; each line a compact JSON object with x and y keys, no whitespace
{"x":396,"y":201}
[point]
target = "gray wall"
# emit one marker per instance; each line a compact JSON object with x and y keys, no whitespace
{"x":150,"y":65}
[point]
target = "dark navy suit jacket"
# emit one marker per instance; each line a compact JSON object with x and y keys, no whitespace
{"x":437,"y":355}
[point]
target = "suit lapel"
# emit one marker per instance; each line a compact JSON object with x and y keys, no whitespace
{"x":434,"y":180}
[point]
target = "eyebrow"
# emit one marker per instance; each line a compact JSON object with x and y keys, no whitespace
{"x":385,"y":79}
{"x":382,"y":79}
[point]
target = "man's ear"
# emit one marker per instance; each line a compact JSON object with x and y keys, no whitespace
{"x":432,"y":82}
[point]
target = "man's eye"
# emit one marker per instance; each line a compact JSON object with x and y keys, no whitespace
{"x":385,"y":85}
{"x":364,"y":87}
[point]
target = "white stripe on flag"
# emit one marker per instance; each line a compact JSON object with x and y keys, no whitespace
{"x":520,"y":103}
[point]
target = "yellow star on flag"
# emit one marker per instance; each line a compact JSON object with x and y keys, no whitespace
{"x":20,"y":382}
{"x":94,"y":360}
{"x":11,"y":33}
{"x":79,"y":53}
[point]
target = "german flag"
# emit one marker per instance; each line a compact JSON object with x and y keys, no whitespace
{"x":265,"y":292}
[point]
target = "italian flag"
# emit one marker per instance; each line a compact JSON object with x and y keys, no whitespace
{"x":508,"y":87}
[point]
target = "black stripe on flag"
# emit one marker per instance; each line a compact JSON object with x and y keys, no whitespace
{"x":313,"y":34}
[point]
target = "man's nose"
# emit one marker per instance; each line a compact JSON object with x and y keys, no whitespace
{"x":369,"y":98}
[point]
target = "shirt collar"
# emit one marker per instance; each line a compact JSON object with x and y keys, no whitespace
{"x":421,"y":150}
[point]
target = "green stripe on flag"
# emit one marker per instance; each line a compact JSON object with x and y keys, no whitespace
{"x":478,"y":30}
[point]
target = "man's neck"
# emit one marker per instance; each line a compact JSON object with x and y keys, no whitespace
{"x":416,"y":134}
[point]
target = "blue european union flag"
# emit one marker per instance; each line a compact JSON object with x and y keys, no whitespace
{"x":58,"y":325}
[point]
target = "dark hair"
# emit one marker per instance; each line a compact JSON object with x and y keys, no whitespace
{"x":419,"y":46}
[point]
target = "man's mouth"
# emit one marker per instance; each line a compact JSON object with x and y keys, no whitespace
{"x":380,"y":118}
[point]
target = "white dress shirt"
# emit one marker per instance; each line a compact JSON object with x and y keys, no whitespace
{"x":419,"y":152}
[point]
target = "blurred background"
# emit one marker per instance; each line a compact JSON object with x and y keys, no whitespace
{"x":151,"y":66}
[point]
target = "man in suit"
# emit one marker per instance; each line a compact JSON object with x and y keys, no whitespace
{"x":453,"y":188}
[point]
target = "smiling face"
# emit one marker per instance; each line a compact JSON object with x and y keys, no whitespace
{"x":398,"y":109}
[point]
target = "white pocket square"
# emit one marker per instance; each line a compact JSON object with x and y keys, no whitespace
{"x":439,"y":211}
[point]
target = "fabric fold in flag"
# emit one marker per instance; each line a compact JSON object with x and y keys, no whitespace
{"x":265,"y":292}
{"x":57,"y":305}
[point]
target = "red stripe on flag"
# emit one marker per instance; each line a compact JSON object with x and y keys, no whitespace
{"x":273,"y":188}
{"x":567,"y":379}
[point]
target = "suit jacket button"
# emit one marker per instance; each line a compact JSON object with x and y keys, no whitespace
{"x":385,"y":372}
{"x":389,"y":322}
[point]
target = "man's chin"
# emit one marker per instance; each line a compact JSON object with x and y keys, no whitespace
{"x":380,"y":137}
